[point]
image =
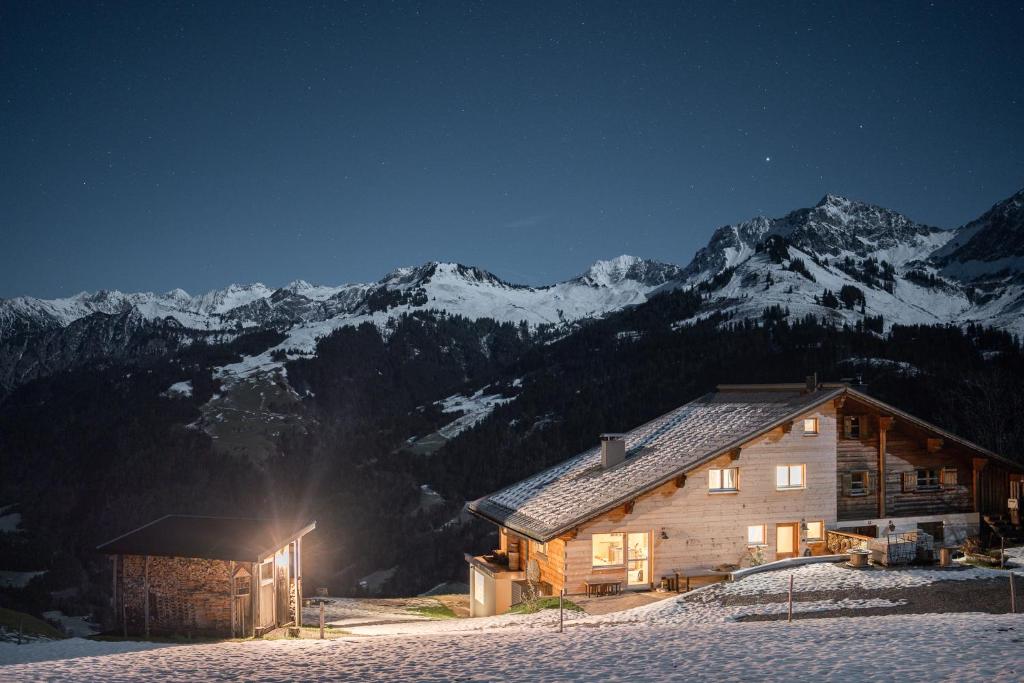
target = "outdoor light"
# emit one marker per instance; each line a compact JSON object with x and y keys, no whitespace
{"x":664,"y":534}
{"x":803,"y":526}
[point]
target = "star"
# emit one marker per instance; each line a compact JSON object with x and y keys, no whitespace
{"x":767,"y":159}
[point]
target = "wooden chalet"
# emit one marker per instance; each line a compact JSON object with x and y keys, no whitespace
{"x":219,"y":576}
{"x":746,"y":473}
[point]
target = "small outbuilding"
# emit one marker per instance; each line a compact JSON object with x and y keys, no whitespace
{"x":220,"y":576}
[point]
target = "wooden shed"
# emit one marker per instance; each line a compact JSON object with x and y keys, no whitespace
{"x":221,"y":576}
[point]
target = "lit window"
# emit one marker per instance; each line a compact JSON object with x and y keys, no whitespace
{"x":723,"y":479}
{"x":859,"y":483}
{"x":810,"y":425}
{"x":927,"y":479}
{"x":815,"y":531}
{"x":757,"y":535}
{"x":789,"y":477}
{"x":607,"y":550}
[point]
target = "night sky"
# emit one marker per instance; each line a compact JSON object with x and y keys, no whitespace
{"x":147,"y":146}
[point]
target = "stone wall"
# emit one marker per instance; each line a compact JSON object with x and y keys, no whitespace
{"x":186,"y":595}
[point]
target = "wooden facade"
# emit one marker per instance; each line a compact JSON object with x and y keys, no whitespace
{"x":865,"y":466}
{"x":231,"y":587}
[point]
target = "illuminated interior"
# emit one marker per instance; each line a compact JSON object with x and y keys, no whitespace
{"x":638,"y":570}
{"x":723,"y":479}
{"x":607,"y":550}
{"x":815,"y":531}
{"x":810,"y":425}
{"x":757,"y":535}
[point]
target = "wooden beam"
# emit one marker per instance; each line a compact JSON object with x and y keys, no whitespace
{"x":298,"y":582}
{"x":977,"y":465}
{"x":884,"y":423}
{"x":680,"y":481}
{"x":933,"y":445}
{"x":734,"y":454}
{"x":628,"y":507}
{"x":145,"y":595}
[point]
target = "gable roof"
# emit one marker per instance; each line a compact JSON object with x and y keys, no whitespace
{"x":564,"y":496}
{"x":210,"y":538}
{"x":557,"y":499}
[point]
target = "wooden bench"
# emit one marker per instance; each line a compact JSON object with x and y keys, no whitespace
{"x":679,"y":581}
{"x":603,"y":587}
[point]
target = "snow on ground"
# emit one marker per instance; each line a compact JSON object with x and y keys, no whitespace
{"x":473,"y":408}
{"x":11,"y":579}
{"x":10,"y":522}
{"x":72,"y":626}
{"x":71,"y":648}
{"x":831,"y":576}
{"x":180,"y":389}
{"x":901,"y":648}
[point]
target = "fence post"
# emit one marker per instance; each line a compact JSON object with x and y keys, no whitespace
{"x":790,"y":617}
{"x":20,"y":620}
{"x":321,"y":620}
{"x":1013,"y":595}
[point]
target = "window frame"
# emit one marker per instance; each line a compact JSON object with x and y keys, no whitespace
{"x":540,"y":548}
{"x":722,"y":489}
{"x":789,"y":477}
{"x":816,"y":426}
{"x":622,"y":550}
{"x":815,"y":539}
{"x":932,"y":478}
{"x":764,"y":535}
{"x":853,"y":427}
{"x":865,"y":476}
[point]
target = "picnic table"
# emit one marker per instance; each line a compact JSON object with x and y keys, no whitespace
{"x":603,"y":587}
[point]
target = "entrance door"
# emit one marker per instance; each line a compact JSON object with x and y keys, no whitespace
{"x":786,"y":540}
{"x":638,"y":566}
{"x":267,"y":597}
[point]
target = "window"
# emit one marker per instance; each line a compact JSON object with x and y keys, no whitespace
{"x":757,"y":535}
{"x":789,"y":477}
{"x":607,"y":550}
{"x":927,"y":479}
{"x":852,"y":426}
{"x":810,"y":426}
{"x":815,"y":531}
{"x":858,"y":483}
{"x":540,"y":548}
{"x":723,"y":479}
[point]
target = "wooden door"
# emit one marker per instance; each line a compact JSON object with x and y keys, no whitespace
{"x":787,"y":540}
{"x":638,"y":560}
{"x":267,"y":599}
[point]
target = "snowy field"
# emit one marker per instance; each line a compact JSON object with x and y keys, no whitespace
{"x":903,"y":648}
{"x":694,"y":637}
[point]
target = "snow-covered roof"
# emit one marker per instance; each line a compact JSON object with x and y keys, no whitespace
{"x":559,"y":498}
{"x":556,"y":500}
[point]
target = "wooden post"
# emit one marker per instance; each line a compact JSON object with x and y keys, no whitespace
{"x":231,"y":597}
{"x":561,"y":613}
{"x":790,"y":617}
{"x":321,"y":620}
{"x":124,"y":601}
{"x":20,"y":629}
{"x":1002,"y":551}
{"x":977,"y":465}
{"x":145,"y":595}
{"x":1013,"y":596}
{"x":298,"y":582}
{"x":884,"y":423}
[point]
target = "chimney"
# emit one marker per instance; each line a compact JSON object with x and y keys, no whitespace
{"x":613,"y":449}
{"x":812,"y":382}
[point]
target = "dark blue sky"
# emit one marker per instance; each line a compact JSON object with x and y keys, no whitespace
{"x":146,"y":147}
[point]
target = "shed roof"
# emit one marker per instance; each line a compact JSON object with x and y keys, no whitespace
{"x":561,"y":497}
{"x":211,"y":538}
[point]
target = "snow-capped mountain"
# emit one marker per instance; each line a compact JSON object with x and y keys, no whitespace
{"x":891,"y":266}
{"x":843,"y":260}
